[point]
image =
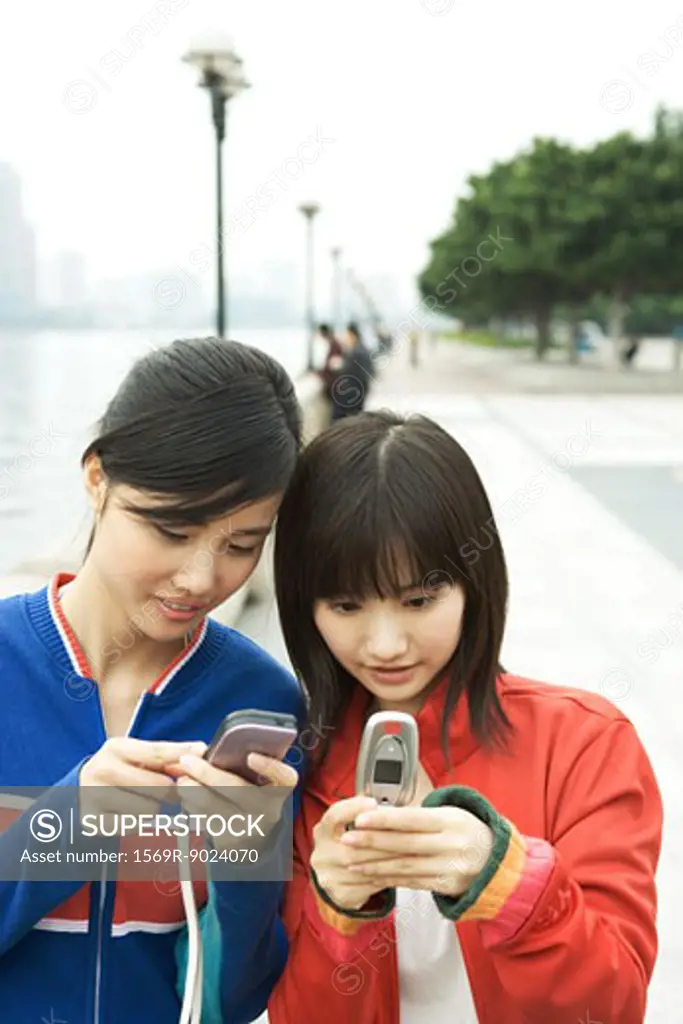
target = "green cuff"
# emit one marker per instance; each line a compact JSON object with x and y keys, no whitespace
{"x":388,"y":897}
{"x":454,"y":907}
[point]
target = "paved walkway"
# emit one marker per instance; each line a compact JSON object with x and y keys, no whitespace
{"x":456,"y":367}
{"x":596,"y":596}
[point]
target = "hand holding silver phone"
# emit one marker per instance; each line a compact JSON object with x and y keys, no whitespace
{"x":388,"y":758}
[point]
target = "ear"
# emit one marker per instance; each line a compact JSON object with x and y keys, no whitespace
{"x":96,"y":482}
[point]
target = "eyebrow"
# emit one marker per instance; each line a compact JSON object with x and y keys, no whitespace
{"x":252,"y":531}
{"x":420,"y":584}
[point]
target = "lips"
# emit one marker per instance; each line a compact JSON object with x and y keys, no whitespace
{"x":391,"y":668}
{"x":395,"y":674}
{"x":181,"y":606}
{"x":180,"y":611}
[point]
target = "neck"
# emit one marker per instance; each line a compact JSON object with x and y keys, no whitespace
{"x":408,"y":707}
{"x":107,"y":635}
{"x":413,"y":705}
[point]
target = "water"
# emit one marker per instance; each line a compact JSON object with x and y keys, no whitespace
{"x":53,"y":388}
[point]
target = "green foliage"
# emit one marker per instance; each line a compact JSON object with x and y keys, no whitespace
{"x":488,"y":339}
{"x":646,"y":314}
{"x":560,"y":225}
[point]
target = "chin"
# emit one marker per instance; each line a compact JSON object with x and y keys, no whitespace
{"x":395,"y":691}
{"x":165,"y":632}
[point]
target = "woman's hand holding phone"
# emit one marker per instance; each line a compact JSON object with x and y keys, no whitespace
{"x":206,"y":789}
{"x":130,"y":775}
{"x":440,"y":849}
{"x":333,"y":860}
{"x":136,"y":776}
{"x":401,"y":844}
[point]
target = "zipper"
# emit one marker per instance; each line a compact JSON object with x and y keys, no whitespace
{"x":102,"y":901}
{"x":81,"y":668}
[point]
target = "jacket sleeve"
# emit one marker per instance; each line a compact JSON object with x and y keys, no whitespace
{"x":328,"y":966}
{"x":244,"y":942}
{"x":570,"y":924}
{"x":245,"y":950}
{"x":25,"y":898}
{"x":243,"y":935}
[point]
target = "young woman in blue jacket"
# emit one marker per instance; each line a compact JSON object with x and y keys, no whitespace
{"x":117,"y":677}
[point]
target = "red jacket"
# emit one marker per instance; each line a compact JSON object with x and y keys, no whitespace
{"x":576,"y":775}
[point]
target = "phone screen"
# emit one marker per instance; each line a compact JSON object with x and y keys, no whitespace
{"x":387,"y":772}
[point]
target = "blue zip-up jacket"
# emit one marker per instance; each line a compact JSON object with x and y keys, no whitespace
{"x":105,"y":953}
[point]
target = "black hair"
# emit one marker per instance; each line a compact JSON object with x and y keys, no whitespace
{"x":325,"y":330}
{"x":212,"y":425}
{"x":369,"y":494}
{"x":353,"y":328}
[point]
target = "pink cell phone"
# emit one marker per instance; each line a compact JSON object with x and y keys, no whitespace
{"x":251,"y":731}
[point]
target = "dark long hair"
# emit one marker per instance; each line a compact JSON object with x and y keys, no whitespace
{"x":366,"y":493}
{"x":210,"y":424}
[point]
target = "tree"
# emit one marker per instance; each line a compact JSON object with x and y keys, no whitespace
{"x":533,"y":203}
{"x":607,"y":220}
{"x":631,"y":238}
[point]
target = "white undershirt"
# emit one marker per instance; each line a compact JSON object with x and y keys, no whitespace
{"x":433,"y":983}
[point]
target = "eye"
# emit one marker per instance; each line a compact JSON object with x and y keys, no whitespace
{"x":344,"y":606}
{"x":420,"y":602}
{"x":235,"y":549}
{"x":169,"y":534}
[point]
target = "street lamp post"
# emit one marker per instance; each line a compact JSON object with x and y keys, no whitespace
{"x":222,"y":76}
{"x":309,"y":211}
{"x":336,"y":288}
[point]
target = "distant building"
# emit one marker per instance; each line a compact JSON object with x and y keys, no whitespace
{"x":71,"y":280}
{"x":63,"y":282}
{"x":163,"y":298}
{"x":18,"y":262}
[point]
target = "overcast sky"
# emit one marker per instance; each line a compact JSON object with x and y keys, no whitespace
{"x":392,"y":103}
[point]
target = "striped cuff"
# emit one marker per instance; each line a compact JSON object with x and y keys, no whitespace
{"x":348,"y":921}
{"x":510,"y":883}
{"x":343,"y":938}
{"x":517,"y":909}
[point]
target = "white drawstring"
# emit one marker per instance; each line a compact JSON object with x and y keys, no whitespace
{"x":191,"y":1012}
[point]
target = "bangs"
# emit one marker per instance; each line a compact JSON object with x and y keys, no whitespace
{"x":201,"y":508}
{"x":377,"y":545}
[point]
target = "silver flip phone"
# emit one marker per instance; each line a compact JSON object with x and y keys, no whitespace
{"x":388,"y":758}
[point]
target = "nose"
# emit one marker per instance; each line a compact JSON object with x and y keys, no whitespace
{"x":197,"y":576}
{"x":386,"y":640}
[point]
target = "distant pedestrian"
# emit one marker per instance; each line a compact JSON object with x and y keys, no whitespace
{"x":334,"y":359}
{"x":629,"y":353}
{"x":352,"y":382}
{"x":385,"y":342}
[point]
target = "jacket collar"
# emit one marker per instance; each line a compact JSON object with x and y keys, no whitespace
{"x":335,"y":778}
{"x":63,"y":637}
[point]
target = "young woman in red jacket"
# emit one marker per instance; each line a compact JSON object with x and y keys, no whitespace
{"x":519,"y":885}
